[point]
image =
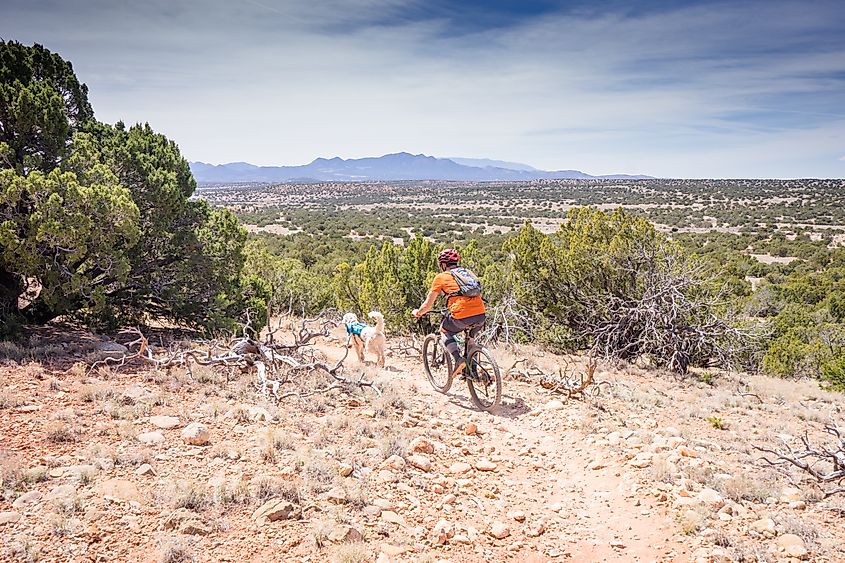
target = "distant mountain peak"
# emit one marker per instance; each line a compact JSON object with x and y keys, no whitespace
{"x":394,"y":166}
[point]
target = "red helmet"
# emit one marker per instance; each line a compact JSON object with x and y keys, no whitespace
{"x":449,"y":256}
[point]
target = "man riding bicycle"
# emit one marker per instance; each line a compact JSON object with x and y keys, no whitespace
{"x":466,"y":312}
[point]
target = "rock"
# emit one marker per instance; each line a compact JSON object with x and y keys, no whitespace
{"x":641,"y":460}
{"x":110,"y":349}
{"x":792,"y":546}
{"x":145,"y":469}
{"x":62,"y":492}
{"x":765,"y":527}
{"x":259,"y":414}
{"x":597,"y":464}
{"x":120,"y":490}
{"x":798,"y":505}
{"x":26,"y":499}
{"x":442,"y":532}
{"x":421,"y":445}
{"x":9,"y":517}
{"x":165,"y":422}
{"x":789,"y":539}
{"x":471,"y":429}
{"x":420,"y":461}
{"x":336,"y":495}
{"x":796,"y":551}
{"x":387,"y":476}
{"x":485,"y":465}
{"x":535,"y":530}
{"x":371,"y":511}
{"x":194,"y":528}
{"x":499,"y":530}
{"x":391,"y":550}
{"x":150,"y":438}
{"x":711,"y":498}
{"x":517,"y":515}
{"x":393,"y":462}
{"x":276,"y":509}
{"x":553,"y":405}
{"x":344,"y":470}
{"x":186,"y":522}
{"x":687,"y":452}
{"x":383,"y":503}
{"x":790,"y":494}
{"x":344,"y":534}
{"x":134,"y":394}
{"x":196,"y":434}
{"x":393,"y":518}
{"x":460,"y":467}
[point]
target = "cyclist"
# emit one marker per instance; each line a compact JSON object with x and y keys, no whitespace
{"x":465,"y":312}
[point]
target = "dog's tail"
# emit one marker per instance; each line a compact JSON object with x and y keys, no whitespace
{"x":379,"y":321}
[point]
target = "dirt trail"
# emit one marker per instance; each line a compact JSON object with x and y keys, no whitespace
{"x":542,"y":470}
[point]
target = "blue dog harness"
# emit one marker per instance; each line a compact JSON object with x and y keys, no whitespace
{"x":355,"y":328}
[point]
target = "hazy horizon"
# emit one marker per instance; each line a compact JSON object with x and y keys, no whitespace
{"x":746,"y":89}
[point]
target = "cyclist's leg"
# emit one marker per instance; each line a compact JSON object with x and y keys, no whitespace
{"x":477,"y":325}
{"x":449,"y":327}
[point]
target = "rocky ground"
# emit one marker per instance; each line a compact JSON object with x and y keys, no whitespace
{"x":130,"y":464}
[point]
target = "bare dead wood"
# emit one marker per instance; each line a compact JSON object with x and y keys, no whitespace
{"x":825,"y":463}
{"x":272,"y":362}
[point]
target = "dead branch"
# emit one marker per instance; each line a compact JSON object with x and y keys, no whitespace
{"x":568,"y":379}
{"x":407,"y":346}
{"x":272,"y":362}
{"x":826,"y":464}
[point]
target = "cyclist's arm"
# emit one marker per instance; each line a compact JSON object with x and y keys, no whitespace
{"x":427,"y":304}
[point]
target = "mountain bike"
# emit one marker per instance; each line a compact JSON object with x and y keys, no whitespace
{"x":481,"y":372}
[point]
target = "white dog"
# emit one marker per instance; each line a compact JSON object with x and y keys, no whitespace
{"x":366,"y":338}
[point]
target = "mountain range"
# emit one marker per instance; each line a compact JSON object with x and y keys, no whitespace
{"x":398,"y":166}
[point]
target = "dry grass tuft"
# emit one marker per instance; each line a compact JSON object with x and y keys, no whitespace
{"x":350,"y":553}
{"x":191,"y":496}
{"x":59,"y":432}
{"x":743,"y":487}
{"x":176,"y":551}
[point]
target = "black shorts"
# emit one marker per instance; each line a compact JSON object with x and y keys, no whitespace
{"x":451,"y":325}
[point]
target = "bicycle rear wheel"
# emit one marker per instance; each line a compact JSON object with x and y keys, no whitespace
{"x":484,"y":380}
{"x":437,"y":363}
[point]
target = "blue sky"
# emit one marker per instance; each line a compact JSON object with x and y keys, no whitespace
{"x":680,"y":89}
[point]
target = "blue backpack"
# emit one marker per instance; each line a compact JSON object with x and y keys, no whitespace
{"x":355,"y":328}
{"x":468,"y":284}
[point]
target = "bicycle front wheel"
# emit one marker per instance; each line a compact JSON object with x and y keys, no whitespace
{"x":437,"y":362}
{"x":484,"y":380}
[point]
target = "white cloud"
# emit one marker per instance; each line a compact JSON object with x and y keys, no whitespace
{"x":699,"y":91}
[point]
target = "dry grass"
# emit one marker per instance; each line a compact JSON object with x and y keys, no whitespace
{"x":318,"y":475}
{"x":788,"y":524}
{"x":350,"y":553}
{"x":191,"y":496}
{"x":744,"y":487}
{"x":9,"y":401}
{"x":97,"y":392}
{"x":59,"y":432}
{"x":176,"y":551}
{"x":267,"y":488}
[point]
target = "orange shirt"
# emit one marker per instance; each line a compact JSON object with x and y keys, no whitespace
{"x":460,"y":306}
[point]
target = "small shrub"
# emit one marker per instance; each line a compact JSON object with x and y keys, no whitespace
{"x":192,"y":497}
{"x":742,"y":487}
{"x":717,"y":422}
{"x":351,"y":553}
{"x":59,"y":432}
{"x":176,"y":551}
